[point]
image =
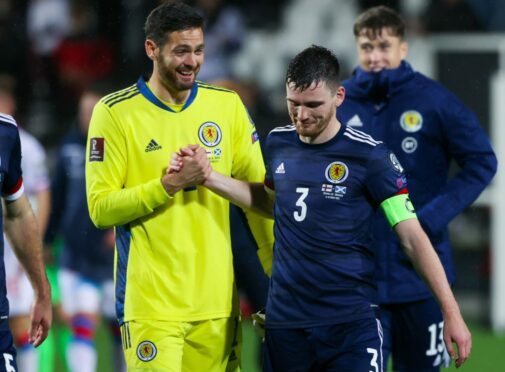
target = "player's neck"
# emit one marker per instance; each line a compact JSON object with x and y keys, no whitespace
{"x":166,"y":93}
{"x":327,"y":134}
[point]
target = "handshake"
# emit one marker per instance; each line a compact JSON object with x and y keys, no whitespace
{"x":187,"y":168}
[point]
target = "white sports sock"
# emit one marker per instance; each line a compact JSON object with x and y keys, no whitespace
{"x":81,"y":357}
{"x":27,"y":359}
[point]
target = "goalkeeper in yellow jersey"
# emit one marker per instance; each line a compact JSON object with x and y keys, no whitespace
{"x":176,"y":299}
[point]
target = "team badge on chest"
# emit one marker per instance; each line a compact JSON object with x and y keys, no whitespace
{"x":411,"y":121}
{"x":336,"y":172}
{"x":209,"y":134}
{"x":146,"y":351}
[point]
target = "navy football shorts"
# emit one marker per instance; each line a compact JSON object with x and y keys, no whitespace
{"x":7,"y":350}
{"x":413,"y":335}
{"x":353,"y":346}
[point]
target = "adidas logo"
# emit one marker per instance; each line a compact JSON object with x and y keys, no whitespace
{"x":280,"y":169}
{"x":152,"y":146}
{"x":355,"y":121}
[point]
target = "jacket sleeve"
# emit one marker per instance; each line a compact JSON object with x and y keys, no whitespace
{"x":109,"y":202}
{"x":469,"y":146}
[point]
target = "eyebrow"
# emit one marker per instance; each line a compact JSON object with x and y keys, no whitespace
{"x":304,"y":103}
{"x":187,"y":46}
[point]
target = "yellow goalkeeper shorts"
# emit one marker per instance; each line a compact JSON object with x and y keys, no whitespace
{"x":210,"y":345}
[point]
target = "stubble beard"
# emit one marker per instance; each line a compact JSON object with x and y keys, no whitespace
{"x":314,"y":129}
{"x":169,"y":77}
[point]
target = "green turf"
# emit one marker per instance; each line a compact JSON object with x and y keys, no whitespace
{"x":486,"y":352}
{"x":251,"y":346}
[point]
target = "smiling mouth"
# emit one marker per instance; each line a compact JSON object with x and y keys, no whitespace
{"x":376,"y":68}
{"x":186,"y":74}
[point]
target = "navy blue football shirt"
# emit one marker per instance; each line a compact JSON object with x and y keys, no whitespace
{"x":325,"y":195}
{"x":11,"y":186}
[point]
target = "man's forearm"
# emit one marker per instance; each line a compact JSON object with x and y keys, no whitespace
{"x":244,"y":194}
{"x":22,"y":229}
{"x":418,"y":247}
{"x":109,"y":208}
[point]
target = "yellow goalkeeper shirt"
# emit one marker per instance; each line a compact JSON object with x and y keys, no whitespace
{"x":173,"y":254}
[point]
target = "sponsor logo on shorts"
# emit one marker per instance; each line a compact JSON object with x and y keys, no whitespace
{"x":146,"y":351}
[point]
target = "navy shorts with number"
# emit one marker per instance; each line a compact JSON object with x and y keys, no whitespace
{"x":7,"y":350}
{"x":354,"y":346}
{"x":413,"y":335}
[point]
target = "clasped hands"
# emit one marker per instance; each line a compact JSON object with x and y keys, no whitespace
{"x":188,"y":167}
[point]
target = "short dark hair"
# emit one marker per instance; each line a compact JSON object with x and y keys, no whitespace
{"x":169,"y":17}
{"x":314,"y":64}
{"x":372,"y":21}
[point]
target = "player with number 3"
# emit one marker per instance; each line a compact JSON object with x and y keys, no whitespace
{"x":323,"y":183}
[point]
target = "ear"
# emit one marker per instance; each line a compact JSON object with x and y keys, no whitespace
{"x":340,"y":96}
{"x":150,"y":47}
{"x":404,"y":49}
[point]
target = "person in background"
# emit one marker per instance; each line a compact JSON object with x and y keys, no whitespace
{"x":86,"y":260}
{"x":224,"y":35}
{"x":427,"y":127}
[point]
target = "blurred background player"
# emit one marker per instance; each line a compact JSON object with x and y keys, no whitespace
{"x":36,"y":183}
{"x":427,"y":127}
{"x":86,"y":259}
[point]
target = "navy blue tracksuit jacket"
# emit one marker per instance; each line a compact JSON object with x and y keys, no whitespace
{"x":426,"y":126}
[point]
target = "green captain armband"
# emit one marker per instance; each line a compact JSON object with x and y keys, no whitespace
{"x":398,"y":208}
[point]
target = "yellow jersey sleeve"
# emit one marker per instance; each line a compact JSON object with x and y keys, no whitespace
{"x":109,"y":203}
{"x":248,"y":165}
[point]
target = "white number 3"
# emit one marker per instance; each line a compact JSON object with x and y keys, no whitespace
{"x":8,"y":366}
{"x":302,"y":213}
{"x":373,"y":362}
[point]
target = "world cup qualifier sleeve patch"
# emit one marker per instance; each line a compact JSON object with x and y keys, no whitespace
{"x":96,"y":149}
{"x":146,"y":351}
